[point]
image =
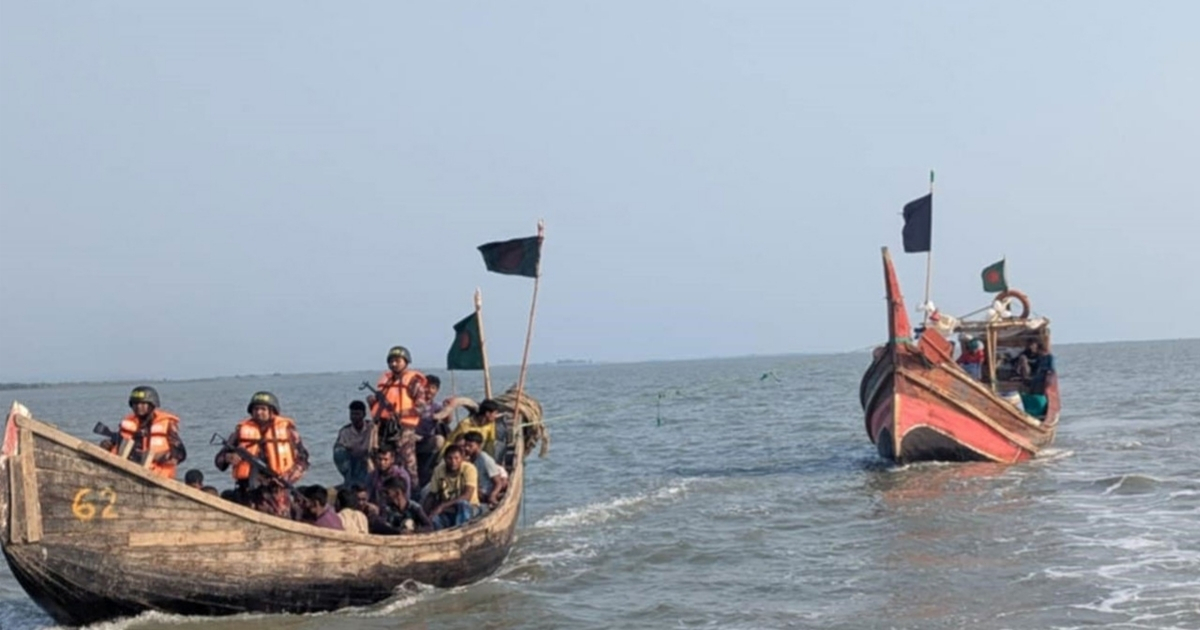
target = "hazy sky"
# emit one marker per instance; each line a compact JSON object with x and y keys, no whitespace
{"x":213,"y":188}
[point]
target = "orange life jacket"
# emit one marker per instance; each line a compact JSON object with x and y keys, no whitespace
{"x":396,"y":392}
{"x":280,"y":456}
{"x":156,"y":442}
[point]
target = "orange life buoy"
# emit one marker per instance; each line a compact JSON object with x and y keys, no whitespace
{"x":1021,"y":297}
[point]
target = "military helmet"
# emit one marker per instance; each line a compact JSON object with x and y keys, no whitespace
{"x":263,"y":398}
{"x":143,"y":393}
{"x":399,"y":351}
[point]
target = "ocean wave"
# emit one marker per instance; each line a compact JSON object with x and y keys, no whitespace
{"x":619,"y":507}
{"x":1129,"y":484}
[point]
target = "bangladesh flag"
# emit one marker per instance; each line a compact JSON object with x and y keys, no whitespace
{"x":466,"y":353}
{"x":993,"y":278}
{"x":517,"y":257}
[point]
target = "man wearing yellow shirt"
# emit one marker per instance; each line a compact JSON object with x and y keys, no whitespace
{"x":483,"y":421}
{"x":453,"y":498}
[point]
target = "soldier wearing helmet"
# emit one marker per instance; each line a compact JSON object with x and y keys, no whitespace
{"x":152,"y":433}
{"x":398,"y":412}
{"x":272,"y":439}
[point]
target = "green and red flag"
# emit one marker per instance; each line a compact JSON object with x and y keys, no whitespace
{"x":993,"y":278}
{"x":466,"y":353}
{"x":516,"y":257}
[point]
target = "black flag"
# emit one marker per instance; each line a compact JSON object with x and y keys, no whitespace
{"x":918,"y":224}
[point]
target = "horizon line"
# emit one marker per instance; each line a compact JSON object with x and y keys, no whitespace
{"x":15,"y":385}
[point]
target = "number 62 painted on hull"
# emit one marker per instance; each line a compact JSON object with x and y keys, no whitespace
{"x":84,"y":504}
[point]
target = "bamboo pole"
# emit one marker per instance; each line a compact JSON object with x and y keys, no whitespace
{"x":528,"y":333}
{"x":487,"y":375}
{"x":928,"y":256}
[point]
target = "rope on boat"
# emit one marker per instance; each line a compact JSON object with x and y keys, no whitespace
{"x":531,"y":412}
{"x":535,"y":431}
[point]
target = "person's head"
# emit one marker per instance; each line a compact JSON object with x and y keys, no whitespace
{"x":398,"y":358}
{"x":396,"y":492}
{"x":472,"y":444}
{"x":384,"y":459}
{"x":345,"y":499}
{"x":194,"y":478}
{"x":358,"y":413}
{"x":360,"y":496}
{"x":488,"y":411}
{"x":1034,"y":346}
{"x":454,"y":458}
{"x":315,"y":499}
{"x":143,"y":400}
{"x":975,"y":345}
{"x":433,"y":384}
{"x":263,"y":406}
{"x":210,"y":490}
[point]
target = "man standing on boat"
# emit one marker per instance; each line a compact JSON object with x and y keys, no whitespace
{"x":351,"y":451}
{"x":273,"y":440}
{"x":153,"y":434}
{"x":398,"y":412}
{"x":1035,"y":366}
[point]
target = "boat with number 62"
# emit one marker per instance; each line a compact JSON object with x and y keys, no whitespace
{"x":91,"y":537}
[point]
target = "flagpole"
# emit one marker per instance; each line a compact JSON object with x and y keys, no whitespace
{"x":487,"y":376}
{"x":537,"y":278}
{"x":928,"y":255}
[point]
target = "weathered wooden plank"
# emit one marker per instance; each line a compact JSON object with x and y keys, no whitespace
{"x":33,"y":511}
{"x":16,"y":501}
{"x":181,"y":539}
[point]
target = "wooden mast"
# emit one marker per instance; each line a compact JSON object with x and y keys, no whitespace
{"x":487,"y":375}
{"x":541,"y":236}
{"x":928,"y":256}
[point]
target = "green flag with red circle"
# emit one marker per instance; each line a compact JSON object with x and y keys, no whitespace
{"x":466,"y":353}
{"x":993,"y":278}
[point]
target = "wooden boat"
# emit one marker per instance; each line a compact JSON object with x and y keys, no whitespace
{"x":920,"y":405}
{"x":92,"y":537}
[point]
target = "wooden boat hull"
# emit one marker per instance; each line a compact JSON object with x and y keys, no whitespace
{"x":919,"y":405}
{"x":92,"y":537}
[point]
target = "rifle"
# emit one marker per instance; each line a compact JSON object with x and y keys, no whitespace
{"x":393,"y":433}
{"x":124,"y":447}
{"x":256,"y":464}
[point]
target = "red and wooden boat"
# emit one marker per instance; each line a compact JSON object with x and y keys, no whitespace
{"x":920,"y":405}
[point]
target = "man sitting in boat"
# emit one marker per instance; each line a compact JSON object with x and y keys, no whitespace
{"x":385,"y":469}
{"x":351,"y":451}
{"x":398,"y":515}
{"x":452,"y":499}
{"x":399,"y":411}
{"x":315,"y":510}
{"x":354,"y":520}
{"x":150,"y":434}
{"x":493,"y":479}
{"x":971,"y":357}
{"x":482,"y":421}
{"x":273,"y":439}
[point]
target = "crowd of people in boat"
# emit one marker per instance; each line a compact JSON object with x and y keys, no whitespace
{"x":1027,"y":371}
{"x":404,"y":467}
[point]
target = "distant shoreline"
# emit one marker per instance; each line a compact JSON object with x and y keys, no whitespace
{"x":11,"y":386}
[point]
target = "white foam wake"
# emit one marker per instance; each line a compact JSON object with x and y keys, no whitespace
{"x":619,"y":507}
